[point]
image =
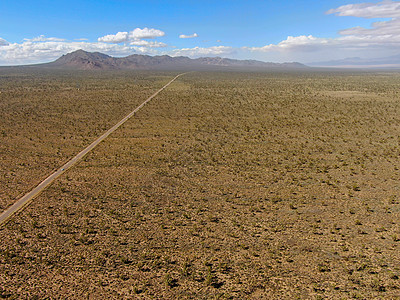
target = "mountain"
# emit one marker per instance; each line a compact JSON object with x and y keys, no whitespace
{"x":357,"y":62}
{"x":83,"y":60}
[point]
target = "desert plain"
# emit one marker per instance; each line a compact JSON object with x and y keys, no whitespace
{"x":227,"y":185}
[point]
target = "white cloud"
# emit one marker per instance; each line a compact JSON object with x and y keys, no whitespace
{"x":114,"y":38}
{"x":383,"y":38}
{"x":3,"y":42}
{"x":134,"y":35}
{"x":145,"y":43}
{"x":42,"y":38}
{"x":295,"y":43}
{"x":198,"y":51}
{"x":146,"y":33}
{"x":389,"y":29}
{"x":137,"y":37}
{"x":184,"y":36}
{"x":384,"y":9}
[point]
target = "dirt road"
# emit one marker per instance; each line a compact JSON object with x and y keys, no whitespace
{"x":25,"y":200}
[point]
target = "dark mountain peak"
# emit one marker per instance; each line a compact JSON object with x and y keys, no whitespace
{"x":84,"y":60}
{"x":164,"y":56}
{"x":79,"y":52}
{"x":81,"y":59}
{"x":84,"y":55}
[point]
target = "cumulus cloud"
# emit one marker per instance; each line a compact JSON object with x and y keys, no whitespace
{"x":3,"y":42}
{"x":136,"y":37}
{"x":146,"y":33}
{"x":198,"y":51}
{"x":184,"y":36}
{"x":114,"y":38}
{"x":382,"y":37}
{"x":297,"y":43}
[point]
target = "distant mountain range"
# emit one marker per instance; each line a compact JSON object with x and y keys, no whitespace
{"x":392,"y":62}
{"x":82,"y":60}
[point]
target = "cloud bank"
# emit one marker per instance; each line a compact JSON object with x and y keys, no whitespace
{"x":3,"y":42}
{"x":30,"y":52}
{"x":383,"y":38}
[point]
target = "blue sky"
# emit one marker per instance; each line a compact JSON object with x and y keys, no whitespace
{"x":305,"y":31}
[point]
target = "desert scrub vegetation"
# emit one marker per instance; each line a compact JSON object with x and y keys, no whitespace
{"x":46,"y":117}
{"x":227,"y":185}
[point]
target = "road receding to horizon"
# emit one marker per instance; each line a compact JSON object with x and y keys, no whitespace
{"x":27,"y":198}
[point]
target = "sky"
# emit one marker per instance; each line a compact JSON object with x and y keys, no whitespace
{"x":278,"y":31}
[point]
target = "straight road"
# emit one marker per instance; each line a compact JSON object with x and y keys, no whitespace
{"x":25,"y":200}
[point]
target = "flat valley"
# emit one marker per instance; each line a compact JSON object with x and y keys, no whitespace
{"x":227,"y":185}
